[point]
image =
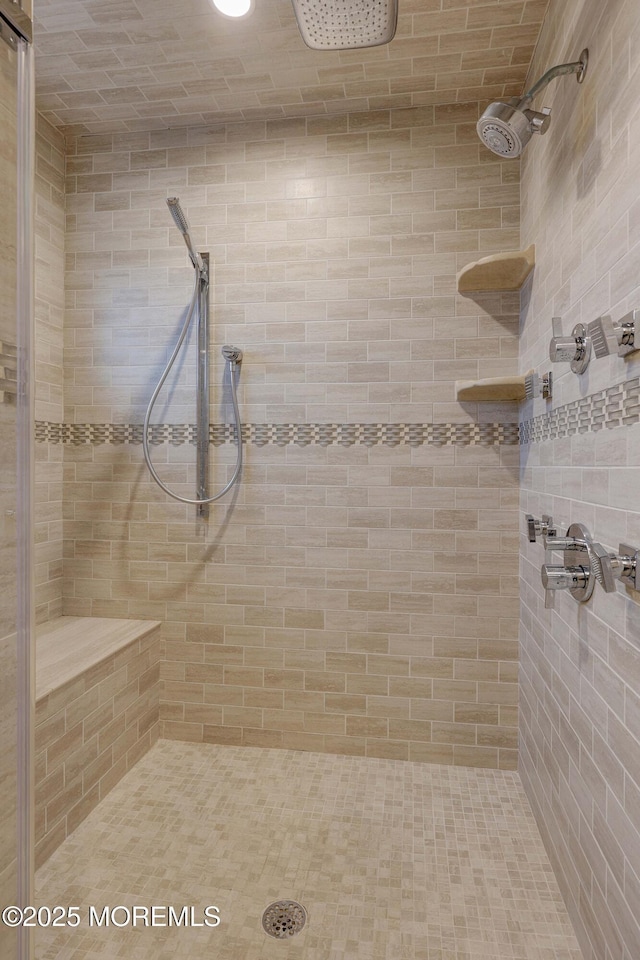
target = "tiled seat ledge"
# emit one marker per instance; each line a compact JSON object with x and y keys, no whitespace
{"x":97,"y":695}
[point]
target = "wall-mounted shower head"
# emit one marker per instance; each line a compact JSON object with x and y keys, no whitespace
{"x":506,"y":129}
{"x":506,"y":126}
{"x":181,"y":222}
{"x":346,"y":24}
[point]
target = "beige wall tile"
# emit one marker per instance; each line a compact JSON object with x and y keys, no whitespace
{"x":109,"y":725}
{"x":312,"y":612}
{"x":577,"y":749}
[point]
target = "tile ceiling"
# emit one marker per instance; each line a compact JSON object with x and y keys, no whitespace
{"x":131,"y":65}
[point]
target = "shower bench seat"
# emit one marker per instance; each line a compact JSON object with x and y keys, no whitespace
{"x":97,"y":694}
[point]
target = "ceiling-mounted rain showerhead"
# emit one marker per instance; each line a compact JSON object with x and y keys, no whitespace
{"x":346,"y":24}
{"x":506,"y":126}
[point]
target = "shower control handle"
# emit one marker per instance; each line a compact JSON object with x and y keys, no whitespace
{"x":563,"y":578}
{"x":575,"y":349}
{"x":551,"y":542}
{"x":628,"y":560}
{"x":543,"y":527}
{"x":562,"y":349}
{"x":626,"y":333}
{"x":578,"y":573}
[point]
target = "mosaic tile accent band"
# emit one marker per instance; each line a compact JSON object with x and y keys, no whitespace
{"x":283,"y":434}
{"x":614,"y":407}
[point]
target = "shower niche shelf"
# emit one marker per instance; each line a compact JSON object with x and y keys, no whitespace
{"x":499,"y":273}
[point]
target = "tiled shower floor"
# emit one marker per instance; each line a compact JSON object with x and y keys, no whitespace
{"x":391,"y":859}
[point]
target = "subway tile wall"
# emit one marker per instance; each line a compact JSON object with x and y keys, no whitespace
{"x":348,"y":597}
{"x":360,"y":598}
{"x":49,"y":230}
{"x":580,"y":664}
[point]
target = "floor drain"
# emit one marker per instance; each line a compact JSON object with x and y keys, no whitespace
{"x":284,"y":919}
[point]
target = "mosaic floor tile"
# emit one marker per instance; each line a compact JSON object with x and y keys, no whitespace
{"x":390,"y":859}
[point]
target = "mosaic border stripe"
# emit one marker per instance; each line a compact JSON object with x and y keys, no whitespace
{"x":283,"y":434}
{"x":616,"y":406}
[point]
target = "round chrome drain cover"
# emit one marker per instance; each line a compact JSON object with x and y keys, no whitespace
{"x":284,"y":919}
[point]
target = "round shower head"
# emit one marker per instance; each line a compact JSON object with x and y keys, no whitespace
{"x":507,"y":126}
{"x":505,"y":129}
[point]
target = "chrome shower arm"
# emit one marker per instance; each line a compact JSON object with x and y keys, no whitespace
{"x":506,"y":126}
{"x":579,"y":67}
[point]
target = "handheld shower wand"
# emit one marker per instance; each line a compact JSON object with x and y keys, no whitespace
{"x":198,"y":307}
{"x":181,"y":223}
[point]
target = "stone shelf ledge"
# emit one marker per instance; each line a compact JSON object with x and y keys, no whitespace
{"x":499,"y":273}
{"x":493,"y":389}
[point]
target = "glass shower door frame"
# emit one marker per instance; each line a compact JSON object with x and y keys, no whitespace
{"x":25,"y":485}
{"x":15,"y":31}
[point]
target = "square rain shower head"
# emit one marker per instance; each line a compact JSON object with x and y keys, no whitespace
{"x":346,"y":24}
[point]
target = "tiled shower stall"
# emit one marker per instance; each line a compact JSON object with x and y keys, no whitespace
{"x":359,"y":592}
{"x":368,"y":589}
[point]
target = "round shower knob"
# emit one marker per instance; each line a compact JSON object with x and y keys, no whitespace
{"x":563,"y":578}
{"x":575,"y":349}
{"x":563,"y":350}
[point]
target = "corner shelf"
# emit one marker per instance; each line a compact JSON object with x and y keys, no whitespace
{"x":497,"y":389}
{"x":494,"y":389}
{"x":501,"y":272}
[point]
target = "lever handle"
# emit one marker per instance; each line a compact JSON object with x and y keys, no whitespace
{"x":562,"y":543}
{"x":536,"y":528}
{"x":628,"y":558}
{"x":626,"y":333}
{"x":563,"y":349}
{"x":563,"y":578}
{"x":575,"y":574}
